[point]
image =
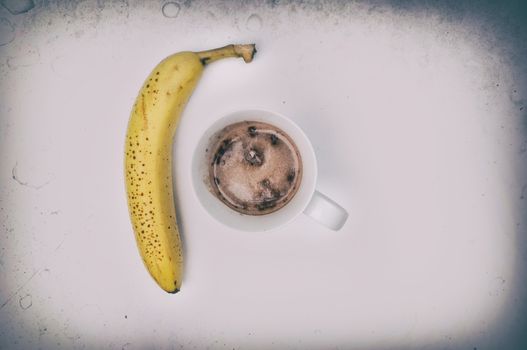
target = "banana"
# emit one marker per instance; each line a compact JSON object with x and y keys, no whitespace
{"x":148,"y":158}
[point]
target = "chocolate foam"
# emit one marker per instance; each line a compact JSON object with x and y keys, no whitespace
{"x":254,"y":167}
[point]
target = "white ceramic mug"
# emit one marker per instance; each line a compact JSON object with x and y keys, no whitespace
{"x":307,"y":199}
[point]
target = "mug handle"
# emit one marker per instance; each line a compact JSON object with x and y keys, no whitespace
{"x":325,"y":211}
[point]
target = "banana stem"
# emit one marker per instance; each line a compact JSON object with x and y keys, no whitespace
{"x":245,"y":51}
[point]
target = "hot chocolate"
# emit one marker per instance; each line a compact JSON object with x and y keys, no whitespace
{"x":254,"y":168}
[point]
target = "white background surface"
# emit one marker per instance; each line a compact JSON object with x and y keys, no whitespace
{"x":415,"y":119}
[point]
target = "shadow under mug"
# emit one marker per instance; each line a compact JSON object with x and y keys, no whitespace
{"x":307,"y":199}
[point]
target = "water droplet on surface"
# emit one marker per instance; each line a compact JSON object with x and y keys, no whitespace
{"x":171,"y":9}
{"x":27,"y":59}
{"x":7,"y":32}
{"x":254,"y":23}
{"x":25,"y":302}
{"x":17,"y":7}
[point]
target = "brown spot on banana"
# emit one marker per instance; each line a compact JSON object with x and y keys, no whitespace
{"x":145,"y":117}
